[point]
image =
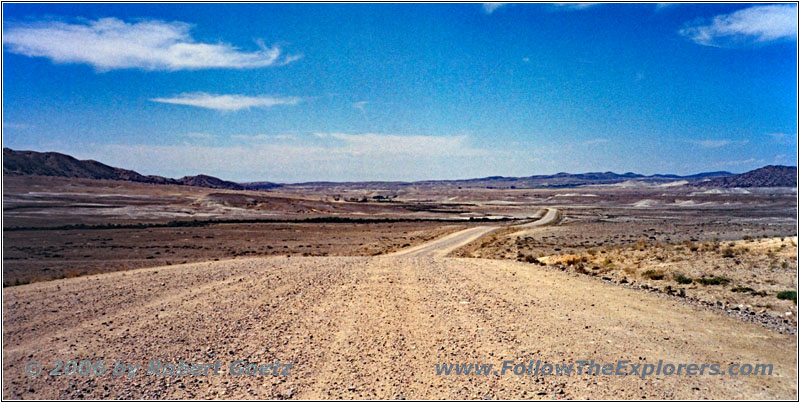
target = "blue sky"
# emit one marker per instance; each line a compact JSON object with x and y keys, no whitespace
{"x":300,"y":92}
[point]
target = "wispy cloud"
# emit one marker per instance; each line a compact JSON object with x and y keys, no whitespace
{"x":717,"y":143}
{"x":754,"y":25}
{"x":200,"y":136}
{"x":489,"y":8}
{"x":738,"y":163}
{"x":781,"y":159}
{"x":319,"y":156}
{"x":226,"y":103}
{"x":574,"y":6}
{"x":16,"y":126}
{"x":661,"y":6}
{"x":594,"y":141}
{"x":783,"y":138}
{"x":110,"y":43}
{"x":360,"y":105}
{"x":263,"y":137}
{"x":395,"y":144}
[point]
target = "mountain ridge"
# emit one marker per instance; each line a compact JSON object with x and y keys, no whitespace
{"x":63,"y":165}
{"x":767,"y":176}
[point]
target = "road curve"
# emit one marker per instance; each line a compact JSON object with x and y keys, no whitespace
{"x":446,"y":244}
{"x":551,"y":217}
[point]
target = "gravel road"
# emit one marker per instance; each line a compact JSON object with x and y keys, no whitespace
{"x":374,"y":327}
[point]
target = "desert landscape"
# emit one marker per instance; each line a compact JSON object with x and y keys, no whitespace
{"x":364,"y":287}
{"x":399,"y":201}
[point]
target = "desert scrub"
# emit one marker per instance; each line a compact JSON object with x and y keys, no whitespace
{"x":743,"y":289}
{"x":713,"y":280}
{"x":571,"y":260}
{"x":792,"y":295}
{"x":681,"y":279}
{"x":653,"y":274}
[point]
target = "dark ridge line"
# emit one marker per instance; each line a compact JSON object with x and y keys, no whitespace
{"x":203,"y":223}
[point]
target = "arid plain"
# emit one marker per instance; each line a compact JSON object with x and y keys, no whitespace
{"x":365,"y":288}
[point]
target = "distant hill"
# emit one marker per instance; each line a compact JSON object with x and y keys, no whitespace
{"x":261,"y":185}
{"x":57,"y":164}
{"x":768,"y":176}
{"x":559,"y":180}
{"x":206,"y":181}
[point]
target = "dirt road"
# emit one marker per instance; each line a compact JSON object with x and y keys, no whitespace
{"x":443,"y":246}
{"x":552,"y":216}
{"x":375,"y":327}
{"x":446,"y":244}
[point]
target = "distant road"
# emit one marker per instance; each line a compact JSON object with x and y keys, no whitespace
{"x":552,"y":216}
{"x":444,"y":245}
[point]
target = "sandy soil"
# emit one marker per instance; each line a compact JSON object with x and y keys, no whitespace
{"x":374,"y":327}
{"x":39,"y":255}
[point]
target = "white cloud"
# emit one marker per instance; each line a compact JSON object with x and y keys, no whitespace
{"x":395,"y":144}
{"x":594,"y":141}
{"x":661,"y":6}
{"x":754,"y":25}
{"x":783,"y":138}
{"x":360,"y":105}
{"x":738,"y":163}
{"x":781,"y":159}
{"x":489,"y":8}
{"x":322,"y":156}
{"x":226,"y":103}
{"x":717,"y":143}
{"x":16,"y":126}
{"x":200,"y":136}
{"x":575,"y":6}
{"x":263,"y":137}
{"x":109,"y":44}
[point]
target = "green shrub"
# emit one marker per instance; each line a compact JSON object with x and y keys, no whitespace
{"x":681,"y":279}
{"x":792,"y":295}
{"x":742,"y":289}
{"x":653,"y":274}
{"x":531,"y":259}
{"x":713,"y":280}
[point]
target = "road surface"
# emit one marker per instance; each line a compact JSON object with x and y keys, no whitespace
{"x":443,"y":246}
{"x":552,"y":216}
{"x":446,"y":244}
{"x":375,"y":327}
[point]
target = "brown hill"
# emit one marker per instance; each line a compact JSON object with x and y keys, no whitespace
{"x":57,"y":164}
{"x":209,"y":182}
{"x":768,"y":176}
